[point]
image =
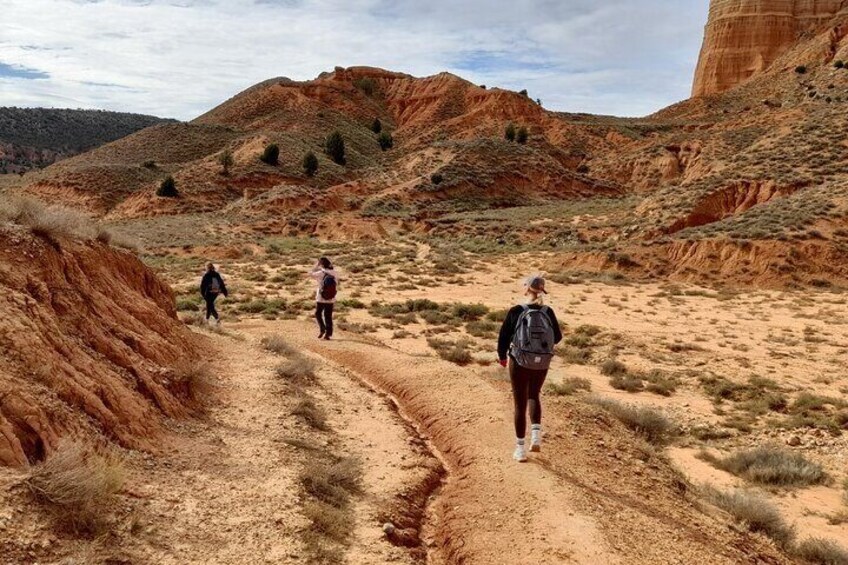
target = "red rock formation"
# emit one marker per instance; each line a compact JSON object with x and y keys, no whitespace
{"x":744,"y":37}
{"x":87,"y":335}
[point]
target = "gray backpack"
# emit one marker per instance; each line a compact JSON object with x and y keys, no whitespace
{"x":533,"y":341}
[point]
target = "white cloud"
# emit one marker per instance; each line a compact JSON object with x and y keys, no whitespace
{"x":178,"y":58}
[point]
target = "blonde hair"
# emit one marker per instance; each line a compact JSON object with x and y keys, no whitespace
{"x":536,"y":297}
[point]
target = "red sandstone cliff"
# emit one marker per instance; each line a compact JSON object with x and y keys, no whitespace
{"x":744,"y":37}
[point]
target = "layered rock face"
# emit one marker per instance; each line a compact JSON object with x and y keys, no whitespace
{"x":744,"y":37}
{"x":87,"y":341}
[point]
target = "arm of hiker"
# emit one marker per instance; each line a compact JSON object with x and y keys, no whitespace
{"x":505,"y":336}
{"x":555,"y":322}
{"x":203,"y":286}
{"x":224,"y":290}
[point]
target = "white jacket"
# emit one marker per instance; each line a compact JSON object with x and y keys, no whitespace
{"x":319,"y":275}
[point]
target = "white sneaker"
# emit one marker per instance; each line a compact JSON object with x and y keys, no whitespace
{"x":520,"y":454}
{"x":536,"y":441}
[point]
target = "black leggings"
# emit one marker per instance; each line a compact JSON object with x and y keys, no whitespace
{"x":526,"y":386}
{"x":324,"y":315}
{"x":210,"y":306}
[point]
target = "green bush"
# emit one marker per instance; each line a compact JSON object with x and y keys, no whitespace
{"x":377,"y":125}
{"x":770,"y":465}
{"x":840,"y":64}
{"x":801,"y":69}
{"x":521,"y":135}
{"x":334,"y":147}
{"x":470,"y":312}
{"x":168,"y":188}
{"x":436,"y":178}
{"x":310,"y":164}
{"x":385,"y":140}
{"x":226,"y":161}
{"x":271,"y":155}
{"x":509,"y":132}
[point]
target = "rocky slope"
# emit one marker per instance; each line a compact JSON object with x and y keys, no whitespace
{"x":87,"y":346}
{"x":744,"y":37}
{"x":33,"y":138}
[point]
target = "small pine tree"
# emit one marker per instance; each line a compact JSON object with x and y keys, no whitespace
{"x":524,"y":92}
{"x":521,"y":136}
{"x":271,"y":155}
{"x":840,"y":64}
{"x":226,"y":161}
{"x":801,"y":69}
{"x":509,"y":132}
{"x":436,"y":178}
{"x":310,"y":164}
{"x":539,"y":101}
{"x":334,"y":147}
{"x":168,"y":188}
{"x":377,"y":126}
{"x":385,"y":140}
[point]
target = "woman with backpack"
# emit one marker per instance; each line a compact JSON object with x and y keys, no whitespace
{"x":212,"y":285}
{"x":325,"y":296}
{"x":526,"y":344}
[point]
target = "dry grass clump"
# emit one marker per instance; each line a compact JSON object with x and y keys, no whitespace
{"x":755,"y":512}
{"x":770,"y":465}
{"x":276,"y":344}
{"x":569,"y":386}
{"x":298,"y":370}
{"x":311,"y":414}
{"x":613,"y":368}
{"x":49,"y":222}
{"x":648,"y":423}
{"x":192,"y":381}
{"x":79,"y":484}
{"x":821,"y":552}
{"x":453,"y":351}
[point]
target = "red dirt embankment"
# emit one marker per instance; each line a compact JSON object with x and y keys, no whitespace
{"x":86,"y":339}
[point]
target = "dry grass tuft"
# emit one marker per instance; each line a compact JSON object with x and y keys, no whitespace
{"x":613,"y":368}
{"x":770,"y":465}
{"x":276,"y":344}
{"x":569,"y":386}
{"x":193,"y":381}
{"x":79,"y":484}
{"x":648,"y":423}
{"x":757,"y":513}
{"x":333,"y":482}
{"x":49,"y":222}
{"x":298,"y":370}
{"x":821,"y":552}
{"x":311,"y":414}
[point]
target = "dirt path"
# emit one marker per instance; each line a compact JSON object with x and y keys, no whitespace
{"x":573,"y":505}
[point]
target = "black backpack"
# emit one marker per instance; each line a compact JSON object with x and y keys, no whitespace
{"x":329,"y":287}
{"x":533,"y":341}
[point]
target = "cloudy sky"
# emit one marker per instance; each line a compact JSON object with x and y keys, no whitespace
{"x":178,"y":58}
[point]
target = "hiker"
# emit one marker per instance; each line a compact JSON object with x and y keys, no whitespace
{"x":325,"y":296}
{"x":211,"y":286}
{"x":526,"y":344}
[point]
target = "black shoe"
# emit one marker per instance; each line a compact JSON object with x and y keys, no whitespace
{"x":327,"y":338}
{"x":321,"y":335}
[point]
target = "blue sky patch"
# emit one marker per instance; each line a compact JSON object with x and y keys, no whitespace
{"x":18,"y":71}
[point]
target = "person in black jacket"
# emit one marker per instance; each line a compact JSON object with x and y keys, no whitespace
{"x":211,"y":286}
{"x":526,"y":383}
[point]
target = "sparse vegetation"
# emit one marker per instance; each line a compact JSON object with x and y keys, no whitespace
{"x":755,"y":512}
{"x":509,"y":132}
{"x":310,"y":164}
{"x":377,"y":125}
{"x":801,"y":69}
{"x":770,"y":465}
{"x":193,"y":381}
{"x":385,"y":140}
{"x":453,"y":351}
{"x":521,"y":135}
{"x":613,"y":368}
{"x":311,"y":414}
{"x":334,"y":147}
{"x":650,"y":424}
{"x":79,"y":484}
{"x":437,"y":178}
{"x":569,"y":386}
{"x":821,"y":551}
{"x":225,"y":159}
{"x":298,"y":370}
{"x":277,"y":344}
{"x":168,"y":188}
{"x":271,"y":155}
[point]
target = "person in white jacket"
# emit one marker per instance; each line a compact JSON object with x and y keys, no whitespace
{"x":325,"y":296}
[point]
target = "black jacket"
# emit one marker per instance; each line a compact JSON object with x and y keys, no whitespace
{"x":511,"y":322}
{"x":207,"y":281}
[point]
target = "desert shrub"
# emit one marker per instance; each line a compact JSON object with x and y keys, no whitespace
{"x":569,"y":386}
{"x":801,"y":69}
{"x":497,"y":315}
{"x":470,"y":312}
{"x":385,"y":140}
{"x":839,"y":64}
{"x":334,"y":147}
{"x":437,"y":178}
{"x":332,"y":482}
{"x":755,"y":512}
{"x":524,"y":92}
{"x":225,"y":159}
{"x":310,"y":164}
{"x":627,"y":383}
{"x":79,"y":483}
{"x":648,"y":423}
{"x":821,"y":552}
{"x":521,"y":135}
{"x":770,"y":465}
{"x":509,"y":132}
{"x":168,"y":188}
{"x":271,"y":154}
{"x":377,"y":125}
{"x":613,"y":368}
{"x":186,"y":304}
{"x":149,"y":164}
{"x":455,"y":352}
{"x":482,"y":328}
{"x":298,"y":370}
{"x":193,"y":381}
{"x":574,"y":355}
{"x":276,"y":344}
{"x":311,"y":414}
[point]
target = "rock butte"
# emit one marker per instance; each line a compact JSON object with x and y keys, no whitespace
{"x":744,"y":37}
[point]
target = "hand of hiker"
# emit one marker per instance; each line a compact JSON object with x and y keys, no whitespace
{"x":502,"y":363}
